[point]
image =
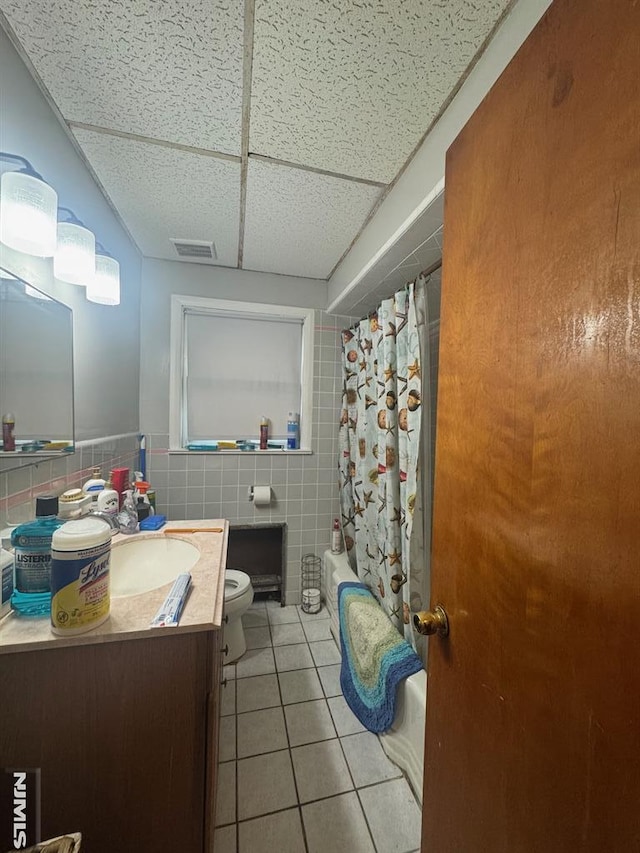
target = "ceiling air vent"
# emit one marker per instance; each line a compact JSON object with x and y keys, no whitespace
{"x":197,"y":250}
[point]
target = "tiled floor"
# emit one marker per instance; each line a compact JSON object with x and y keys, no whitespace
{"x":298,"y":772}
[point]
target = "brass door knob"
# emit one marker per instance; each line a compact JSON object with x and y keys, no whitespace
{"x":432,"y":622}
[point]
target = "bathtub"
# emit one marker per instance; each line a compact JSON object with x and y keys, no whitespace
{"x":404,"y":742}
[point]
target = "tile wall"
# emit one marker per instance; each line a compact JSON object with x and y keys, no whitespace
{"x":304,"y":486}
{"x":20,"y":487}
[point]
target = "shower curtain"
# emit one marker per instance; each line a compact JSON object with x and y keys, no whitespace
{"x":385,"y":461}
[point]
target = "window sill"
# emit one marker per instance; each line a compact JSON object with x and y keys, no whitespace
{"x":180,"y":451}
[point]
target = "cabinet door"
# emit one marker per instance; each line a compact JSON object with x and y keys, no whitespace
{"x":119,"y":732}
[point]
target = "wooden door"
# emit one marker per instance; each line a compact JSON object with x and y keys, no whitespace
{"x":533,"y":710}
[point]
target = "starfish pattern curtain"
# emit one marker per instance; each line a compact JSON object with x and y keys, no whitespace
{"x":382,"y":457}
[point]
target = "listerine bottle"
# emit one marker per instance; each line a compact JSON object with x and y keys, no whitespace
{"x":32,"y":559}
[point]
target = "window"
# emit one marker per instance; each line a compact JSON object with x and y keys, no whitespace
{"x":232,"y":363}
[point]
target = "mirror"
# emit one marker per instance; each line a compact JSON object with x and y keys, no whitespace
{"x":36,"y":370}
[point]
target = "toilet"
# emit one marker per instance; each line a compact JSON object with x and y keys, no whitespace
{"x":238,"y":596}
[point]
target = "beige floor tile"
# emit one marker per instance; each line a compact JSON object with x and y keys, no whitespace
{"x":344,"y":719}
{"x":392,"y":798}
{"x":258,"y":638}
{"x":321,"y":770}
{"x":299,"y":685}
{"x":255,"y":662}
{"x":330,"y":679}
{"x":288,"y":634}
{"x":224,"y":839}
{"x":317,"y":631}
{"x":261,"y":731}
{"x":293,"y":657}
{"x":276,"y":833}
{"x":309,"y":722}
{"x":256,"y":692}
{"x":228,"y":698}
{"x":282,"y":615}
{"x":265,"y":784}
{"x":325,"y":653}
{"x":336,"y":825}
{"x":367,"y":760}
{"x":227,"y":739}
{"x":226,"y":793}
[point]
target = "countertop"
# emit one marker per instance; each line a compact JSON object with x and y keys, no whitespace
{"x":130,"y":616}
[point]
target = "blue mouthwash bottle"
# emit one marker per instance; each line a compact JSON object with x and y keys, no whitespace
{"x":32,"y":559}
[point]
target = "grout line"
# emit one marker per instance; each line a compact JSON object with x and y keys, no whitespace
{"x":151,"y":140}
{"x":289,"y":750}
{"x":317,"y":171}
{"x":247,"y":69}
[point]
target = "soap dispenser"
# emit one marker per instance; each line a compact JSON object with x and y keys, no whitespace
{"x":94,"y":484}
{"x":108,"y":499}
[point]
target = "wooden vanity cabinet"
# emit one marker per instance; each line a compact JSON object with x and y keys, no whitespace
{"x":126,"y":735}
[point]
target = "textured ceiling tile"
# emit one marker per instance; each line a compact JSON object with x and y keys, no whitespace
{"x":300,"y":223}
{"x":164,"y":192}
{"x":351,"y":86}
{"x":168,"y":70}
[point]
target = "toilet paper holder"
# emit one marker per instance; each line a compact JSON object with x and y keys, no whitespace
{"x":260,"y":495}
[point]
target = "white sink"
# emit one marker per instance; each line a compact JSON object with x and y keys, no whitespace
{"x":140,"y":565}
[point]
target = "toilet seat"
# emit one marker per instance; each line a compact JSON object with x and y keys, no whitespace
{"x":236,"y":583}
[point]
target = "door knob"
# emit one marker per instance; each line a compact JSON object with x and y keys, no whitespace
{"x":432,"y":622}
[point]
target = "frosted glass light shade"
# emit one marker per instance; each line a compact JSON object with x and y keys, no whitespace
{"x":28,"y":214}
{"x":104,"y":287}
{"x":75,"y":257}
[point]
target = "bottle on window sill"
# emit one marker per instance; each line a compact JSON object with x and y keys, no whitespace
{"x":293,"y":431}
{"x":264,"y":432}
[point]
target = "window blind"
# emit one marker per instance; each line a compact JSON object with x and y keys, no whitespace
{"x":238,"y":369}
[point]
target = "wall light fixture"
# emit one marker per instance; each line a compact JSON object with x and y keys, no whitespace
{"x":75,"y":257}
{"x":104,"y":287}
{"x":28,"y":208}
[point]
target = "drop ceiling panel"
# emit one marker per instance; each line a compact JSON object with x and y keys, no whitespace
{"x":163,"y":192}
{"x":168,"y":70}
{"x":352,"y":86}
{"x":298,"y":222}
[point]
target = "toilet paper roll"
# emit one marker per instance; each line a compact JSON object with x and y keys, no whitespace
{"x":262,"y":495}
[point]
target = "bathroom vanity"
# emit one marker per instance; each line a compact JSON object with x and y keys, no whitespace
{"x":123,"y":721}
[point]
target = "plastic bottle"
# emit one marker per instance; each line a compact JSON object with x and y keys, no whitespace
{"x":336,"y":537}
{"x":94,"y":484}
{"x":32,"y":559}
{"x":143,"y":504}
{"x":8,"y":437}
{"x":264,"y":432}
{"x":108,"y":500}
{"x":128,"y":516}
{"x":293,"y":431}
{"x":6,"y":581}
{"x":73,"y":504}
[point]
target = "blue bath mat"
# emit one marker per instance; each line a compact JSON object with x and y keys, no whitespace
{"x":375,"y":657}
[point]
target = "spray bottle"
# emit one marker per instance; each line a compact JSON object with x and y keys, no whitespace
{"x":264,"y":432}
{"x":336,"y":537}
